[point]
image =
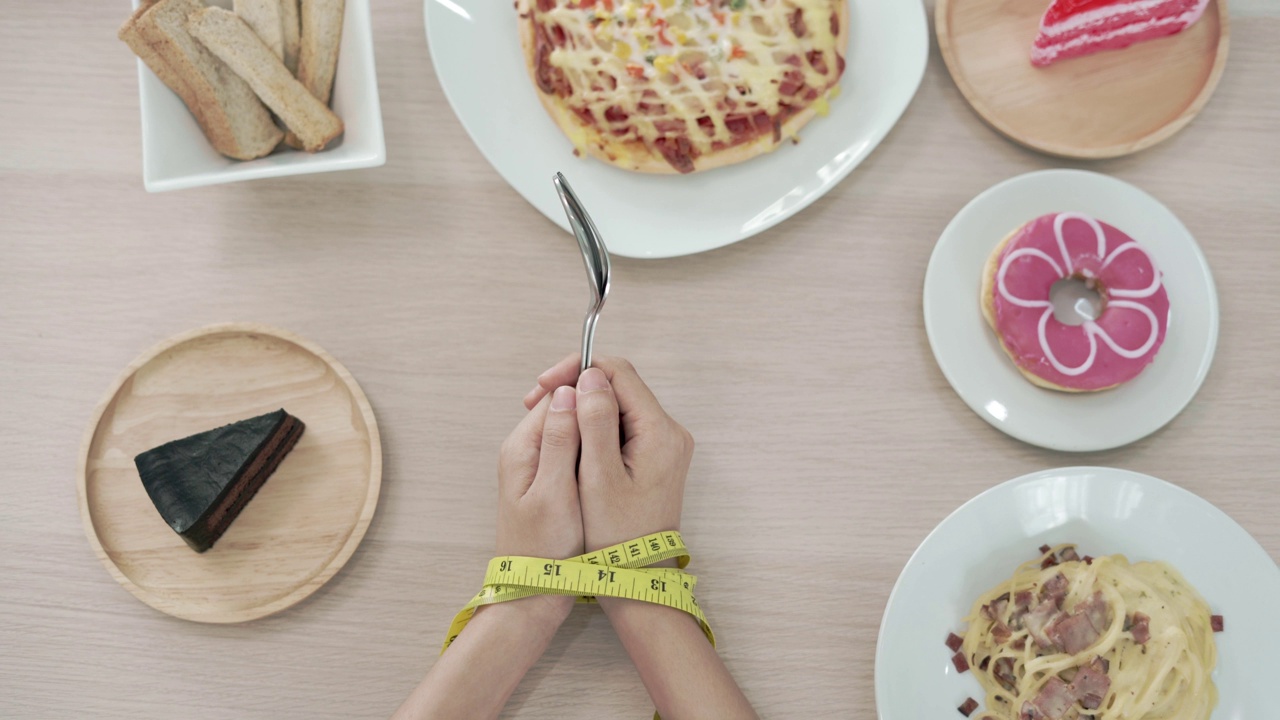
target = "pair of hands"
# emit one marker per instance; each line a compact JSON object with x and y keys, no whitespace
{"x":628,"y":483}
{"x":596,"y":462}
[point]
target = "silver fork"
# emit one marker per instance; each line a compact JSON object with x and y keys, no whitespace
{"x":595,"y":256}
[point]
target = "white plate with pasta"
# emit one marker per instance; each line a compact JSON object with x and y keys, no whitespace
{"x":964,"y":567}
{"x":476,"y":50}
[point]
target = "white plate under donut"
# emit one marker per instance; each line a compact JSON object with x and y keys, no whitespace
{"x":983,"y":375}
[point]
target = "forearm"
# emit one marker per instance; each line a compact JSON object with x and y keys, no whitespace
{"x":477,"y":674}
{"x":682,"y":672}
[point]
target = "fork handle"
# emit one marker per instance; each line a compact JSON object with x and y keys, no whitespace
{"x":588,"y":338}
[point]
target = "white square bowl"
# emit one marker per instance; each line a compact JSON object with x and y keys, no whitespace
{"x":176,"y":155}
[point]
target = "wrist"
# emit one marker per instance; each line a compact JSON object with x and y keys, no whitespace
{"x":539,"y":611}
{"x":626,"y":610}
{"x":634,"y":619}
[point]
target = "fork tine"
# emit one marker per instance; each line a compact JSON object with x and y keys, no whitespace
{"x":594,"y":256}
{"x":583,"y":229}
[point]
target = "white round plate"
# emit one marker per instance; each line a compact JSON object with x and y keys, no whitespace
{"x":476,"y":53}
{"x":983,"y":375}
{"x":1104,"y":511}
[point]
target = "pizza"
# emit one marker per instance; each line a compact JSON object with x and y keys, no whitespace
{"x":679,"y":86}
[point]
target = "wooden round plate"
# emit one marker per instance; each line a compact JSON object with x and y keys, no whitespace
{"x":299,"y":529}
{"x":1111,"y":103}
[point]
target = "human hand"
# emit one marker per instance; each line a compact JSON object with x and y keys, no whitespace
{"x":539,"y":514}
{"x":635,"y":458}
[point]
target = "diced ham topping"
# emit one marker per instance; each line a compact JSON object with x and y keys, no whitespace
{"x":968,"y":707}
{"x":677,"y":151}
{"x":550,"y":79}
{"x":996,"y":609}
{"x":1044,"y":549}
{"x":1003,"y":671}
{"x":669,"y":126}
{"x":954,"y":642}
{"x":1052,"y":702}
{"x":1022,"y":602}
{"x":1037,"y":619}
{"x":1055,"y":589}
{"x":1001,"y":633}
{"x":797,"y":23}
{"x":1088,"y":559}
{"x":817,"y":61}
{"x":1000,"y":605}
{"x":1215,"y":622}
{"x":1091,"y":684}
{"x":1068,"y":554}
{"x":1096,"y":610}
{"x":1073,"y":633}
{"x":1141,"y":629}
{"x":962,"y":665}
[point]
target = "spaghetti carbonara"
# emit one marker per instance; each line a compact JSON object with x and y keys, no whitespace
{"x":1071,"y":638}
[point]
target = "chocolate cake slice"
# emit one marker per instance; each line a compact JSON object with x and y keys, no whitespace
{"x":202,"y":482}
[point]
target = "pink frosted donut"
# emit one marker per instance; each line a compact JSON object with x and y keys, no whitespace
{"x":1098,"y":354}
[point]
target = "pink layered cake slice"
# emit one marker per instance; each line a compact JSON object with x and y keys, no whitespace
{"x":1071,"y":28}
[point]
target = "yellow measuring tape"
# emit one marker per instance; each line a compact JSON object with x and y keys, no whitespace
{"x":619,"y":571}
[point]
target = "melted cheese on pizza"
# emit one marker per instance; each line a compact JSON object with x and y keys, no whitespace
{"x":700,"y":74}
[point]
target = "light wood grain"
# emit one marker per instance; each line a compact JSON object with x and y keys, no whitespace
{"x":301,"y":526}
{"x":827,"y":437}
{"x":1103,"y":105}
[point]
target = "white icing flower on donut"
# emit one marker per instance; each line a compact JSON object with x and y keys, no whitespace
{"x":1116,"y":297}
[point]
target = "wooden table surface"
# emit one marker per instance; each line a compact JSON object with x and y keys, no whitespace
{"x":798,"y":359}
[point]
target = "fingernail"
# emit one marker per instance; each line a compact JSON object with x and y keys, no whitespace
{"x":535,"y":389}
{"x":592,"y":380}
{"x":564,"y":399}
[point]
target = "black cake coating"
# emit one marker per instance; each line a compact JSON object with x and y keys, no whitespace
{"x":187,"y":478}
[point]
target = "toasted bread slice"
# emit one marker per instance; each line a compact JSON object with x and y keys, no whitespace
{"x":321,"y":23}
{"x":228,"y":37}
{"x":321,"y":36}
{"x":226,"y":108}
{"x":263,"y":16}
{"x":291,"y":25}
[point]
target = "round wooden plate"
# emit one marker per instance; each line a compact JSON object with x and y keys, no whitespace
{"x":1108,"y":104}
{"x":299,"y":529}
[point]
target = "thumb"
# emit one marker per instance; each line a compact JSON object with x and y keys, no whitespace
{"x":598,"y":418}
{"x":558,"y":459}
